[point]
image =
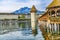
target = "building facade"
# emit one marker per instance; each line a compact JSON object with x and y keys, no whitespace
{"x":15,"y":16}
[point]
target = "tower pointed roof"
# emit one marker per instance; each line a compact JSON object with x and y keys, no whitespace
{"x":33,"y":9}
{"x":55,"y":3}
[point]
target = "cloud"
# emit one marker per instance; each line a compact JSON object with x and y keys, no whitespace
{"x":12,"y":5}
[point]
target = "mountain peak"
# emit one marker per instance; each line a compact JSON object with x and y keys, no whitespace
{"x":25,"y":10}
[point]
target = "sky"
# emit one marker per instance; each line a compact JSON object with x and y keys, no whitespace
{"x":12,"y":5}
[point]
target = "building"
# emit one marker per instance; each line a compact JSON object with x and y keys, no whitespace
{"x":8,"y":16}
{"x":50,"y":21}
{"x":15,"y":16}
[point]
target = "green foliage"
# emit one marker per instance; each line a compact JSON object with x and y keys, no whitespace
{"x":22,"y":25}
{"x":21,"y":16}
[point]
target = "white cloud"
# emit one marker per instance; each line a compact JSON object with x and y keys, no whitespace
{"x":12,"y":5}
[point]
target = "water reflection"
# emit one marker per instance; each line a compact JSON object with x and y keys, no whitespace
{"x":19,"y":30}
{"x":14,"y":25}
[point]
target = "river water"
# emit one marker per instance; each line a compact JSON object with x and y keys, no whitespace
{"x":14,"y":30}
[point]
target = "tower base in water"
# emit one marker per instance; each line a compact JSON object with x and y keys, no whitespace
{"x":34,"y":32}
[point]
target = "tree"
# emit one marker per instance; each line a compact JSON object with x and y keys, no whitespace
{"x":21,"y":16}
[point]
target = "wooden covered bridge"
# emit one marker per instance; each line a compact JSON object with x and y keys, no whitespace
{"x":50,"y":21}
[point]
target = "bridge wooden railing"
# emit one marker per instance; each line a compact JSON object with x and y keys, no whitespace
{"x":44,"y":31}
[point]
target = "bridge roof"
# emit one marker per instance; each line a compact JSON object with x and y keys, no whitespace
{"x":55,"y":3}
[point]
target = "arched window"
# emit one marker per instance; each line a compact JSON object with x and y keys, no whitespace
{"x":58,"y":12}
{"x":52,"y":13}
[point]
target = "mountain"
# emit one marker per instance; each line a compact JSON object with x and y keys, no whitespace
{"x":26,"y":10}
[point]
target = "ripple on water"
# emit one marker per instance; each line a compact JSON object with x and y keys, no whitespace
{"x":17,"y":35}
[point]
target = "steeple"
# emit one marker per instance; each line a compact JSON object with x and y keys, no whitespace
{"x":33,"y":9}
{"x":55,"y":3}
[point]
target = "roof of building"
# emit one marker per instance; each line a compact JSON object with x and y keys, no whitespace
{"x":15,"y":14}
{"x":43,"y":14}
{"x":33,"y":9}
{"x":7,"y":14}
{"x":55,"y":3}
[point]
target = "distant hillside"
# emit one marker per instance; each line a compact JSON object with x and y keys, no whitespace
{"x":26,"y":10}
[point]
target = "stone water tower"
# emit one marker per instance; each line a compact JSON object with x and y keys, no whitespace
{"x":33,"y":20}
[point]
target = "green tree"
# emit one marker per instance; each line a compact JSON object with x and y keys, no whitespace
{"x":23,"y":16}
